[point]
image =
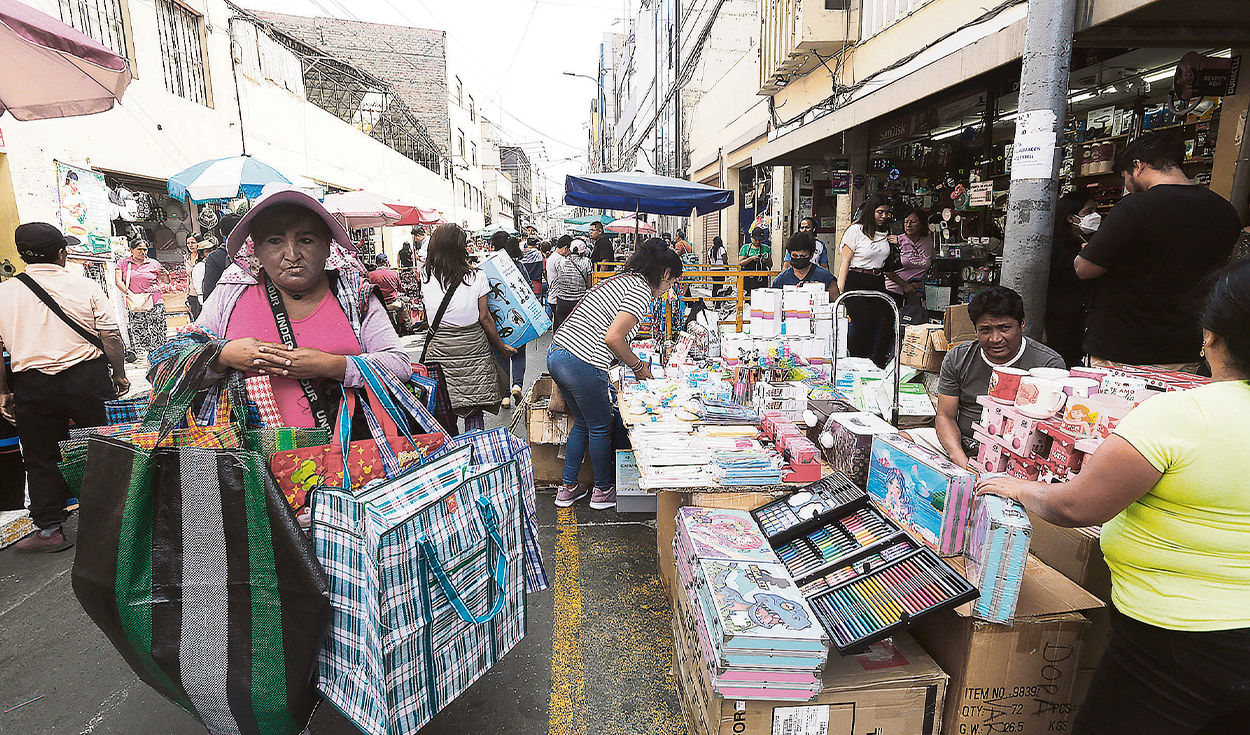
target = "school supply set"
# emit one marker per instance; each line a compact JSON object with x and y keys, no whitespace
{"x":738,"y":607}
{"x":863,"y":575}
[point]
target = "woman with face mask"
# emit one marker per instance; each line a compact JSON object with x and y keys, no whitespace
{"x":1068,"y":298}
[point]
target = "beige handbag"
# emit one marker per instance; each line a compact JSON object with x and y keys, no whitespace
{"x":136,"y":301}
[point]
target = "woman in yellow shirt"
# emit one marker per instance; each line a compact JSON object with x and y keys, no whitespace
{"x":1172,"y":487}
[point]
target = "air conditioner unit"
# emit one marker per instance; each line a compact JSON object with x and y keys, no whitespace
{"x":794,"y":32}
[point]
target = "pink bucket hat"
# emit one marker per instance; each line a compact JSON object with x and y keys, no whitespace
{"x":243,"y":230}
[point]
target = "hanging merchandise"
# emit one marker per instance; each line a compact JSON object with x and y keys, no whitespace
{"x":209,"y":217}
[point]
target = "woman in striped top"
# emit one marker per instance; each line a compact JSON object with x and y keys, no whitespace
{"x":595,"y":335}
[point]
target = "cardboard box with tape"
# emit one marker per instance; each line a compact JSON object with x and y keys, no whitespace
{"x":1019,"y":678}
{"x":925,"y":346}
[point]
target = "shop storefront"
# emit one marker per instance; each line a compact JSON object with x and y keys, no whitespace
{"x":950,"y":154}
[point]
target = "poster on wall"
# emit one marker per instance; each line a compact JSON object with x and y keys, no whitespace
{"x":841,"y":182}
{"x":84,"y":206}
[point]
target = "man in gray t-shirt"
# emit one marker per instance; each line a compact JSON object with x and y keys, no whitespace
{"x":997,"y":313}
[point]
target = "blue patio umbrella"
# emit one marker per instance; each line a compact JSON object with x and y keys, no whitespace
{"x":583,"y":222}
{"x":224,"y":179}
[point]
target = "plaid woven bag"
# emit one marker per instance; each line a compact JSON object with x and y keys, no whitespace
{"x":496,"y":446}
{"x":126,"y":410}
{"x":220,"y":434}
{"x":426,"y":582}
{"x":192,"y":564}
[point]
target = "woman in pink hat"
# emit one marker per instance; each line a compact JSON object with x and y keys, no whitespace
{"x":294,"y":273}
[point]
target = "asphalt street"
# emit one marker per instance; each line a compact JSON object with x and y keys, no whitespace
{"x":595,"y":658}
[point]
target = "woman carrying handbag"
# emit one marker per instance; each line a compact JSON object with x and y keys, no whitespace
{"x":140,"y":278}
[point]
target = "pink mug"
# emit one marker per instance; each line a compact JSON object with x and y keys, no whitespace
{"x":1112,"y":410}
{"x":1038,"y":398}
{"x":1004,"y":382}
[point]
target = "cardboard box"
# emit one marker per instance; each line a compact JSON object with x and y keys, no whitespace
{"x":519,"y":316}
{"x":1019,"y":678}
{"x":894,"y":687}
{"x":549,"y":465}
{"x":666,"y":504}
{"x":543,"y":425}
{"x":1076,"y":554}
{"x":957,"y":326}
{"x":924,"y":346}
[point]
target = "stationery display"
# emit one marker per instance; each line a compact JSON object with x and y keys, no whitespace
{"x":998,"y":548}
{"x":922,"y":490}
{"x":847,"y":439}
{"x":864,"y":576}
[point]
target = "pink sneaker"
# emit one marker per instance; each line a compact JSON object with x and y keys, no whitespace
{"x":603,"y":498}
{"x":569,"y":494}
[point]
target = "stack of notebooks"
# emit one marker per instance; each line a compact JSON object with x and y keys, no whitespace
{"x":726,"y":412}
{"x":746,"y":466}
{"x":758,"y":638}
{"x":863,"y":575}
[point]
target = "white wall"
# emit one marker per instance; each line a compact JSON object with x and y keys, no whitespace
{"x":472,"y":128}
{"x":151,"y":133}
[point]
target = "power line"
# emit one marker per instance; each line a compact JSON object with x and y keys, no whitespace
{"x":519,"y":44}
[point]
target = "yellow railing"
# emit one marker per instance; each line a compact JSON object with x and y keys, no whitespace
{"x":709,"y":277}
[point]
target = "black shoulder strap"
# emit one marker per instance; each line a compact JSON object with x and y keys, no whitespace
{"x":93,"y":339}
{"x":287,"y":335}
{"x":438,"y":318}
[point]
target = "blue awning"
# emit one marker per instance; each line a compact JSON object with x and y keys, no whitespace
{"x":644,"y":193}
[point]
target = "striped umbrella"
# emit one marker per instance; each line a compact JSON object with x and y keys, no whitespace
{"x":224,"y":179}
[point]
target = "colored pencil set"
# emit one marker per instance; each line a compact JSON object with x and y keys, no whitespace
{"x":876,"y":605}
{"x":896,"y":550}
{"x":789,"y":517}
{"x":864,"y":576}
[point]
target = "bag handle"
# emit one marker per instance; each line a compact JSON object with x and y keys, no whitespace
{"x":394,"y":395}
{"x":438,"y":317}
{"x":172,"y":400}
{"x":499,"y":576}
{"x":343,"y":432}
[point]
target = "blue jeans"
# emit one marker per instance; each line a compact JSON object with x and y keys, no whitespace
{"x":588,"y":392}
{"x":514,"y":369}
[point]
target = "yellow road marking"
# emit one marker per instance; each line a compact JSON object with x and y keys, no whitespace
{"x":568,"y":676}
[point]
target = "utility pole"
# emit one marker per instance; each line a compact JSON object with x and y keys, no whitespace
{"x":1037,"y":154}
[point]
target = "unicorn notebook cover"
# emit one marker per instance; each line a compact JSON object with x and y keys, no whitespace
{"x":713,"y":533}
{"x":758,"y":606}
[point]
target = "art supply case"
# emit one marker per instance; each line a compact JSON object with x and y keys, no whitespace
{"x":863,"y":575}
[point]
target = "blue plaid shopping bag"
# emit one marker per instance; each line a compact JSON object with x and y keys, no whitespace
{"x":500,"y":445}
{"x":427,"y":586}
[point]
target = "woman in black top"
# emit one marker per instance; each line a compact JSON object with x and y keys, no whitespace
{"x":1068,"y":297}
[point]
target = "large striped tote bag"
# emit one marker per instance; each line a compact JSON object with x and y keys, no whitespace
{"x":193,"y":565}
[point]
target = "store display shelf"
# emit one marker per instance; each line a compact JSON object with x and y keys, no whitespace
{"x":1178,"y":126}
{"x":1104,"y":140}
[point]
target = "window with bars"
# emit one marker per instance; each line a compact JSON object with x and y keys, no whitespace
{"x":103,"y":20}
{"x":182,"y":52}
{"x":460,"y":143}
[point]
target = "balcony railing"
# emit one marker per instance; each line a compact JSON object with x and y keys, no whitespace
{"x":796,"y":33}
